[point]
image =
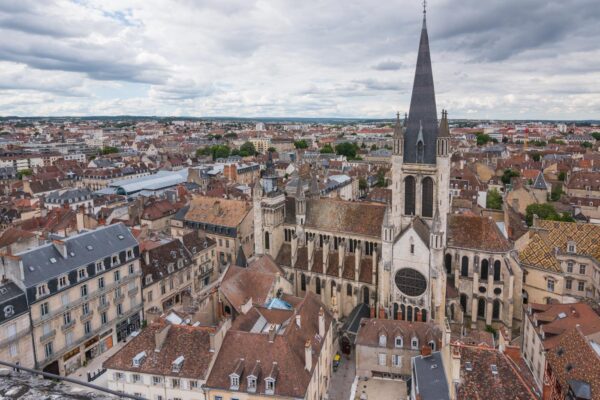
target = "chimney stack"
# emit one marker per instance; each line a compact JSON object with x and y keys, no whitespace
{"x":272,"y":333}
{"x":321,"y":322}
{"x":298,"y":321}
{"x":308,"y":355}
{"x":160,"y":337}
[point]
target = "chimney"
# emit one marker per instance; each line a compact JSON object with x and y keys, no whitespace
{"x":79,"y":218}
{"x":308,"y":355}
{"x":425,"y":351}
{"x":147,"y":257}
{"x":298,"y":321}
{"x":211,"y":337}
{"x":272,"y":333}
{"x":321,"y":322}
{"x":160,"y":337}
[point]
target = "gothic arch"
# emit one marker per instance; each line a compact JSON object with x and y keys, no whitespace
{"x":409,"y":195}
{"x":365,"y":293}
{"x":481,"y":306}
{"x":485,"y":264}
{"x":427,"y":197}
{"x":496,"y":309}
{"x":267,"y":243}
{"x":448,"y":263}
{"x":464,"y":268}
{"x":463,"y":302}
{"x":497,"y":270}
{"x":402,"y":312}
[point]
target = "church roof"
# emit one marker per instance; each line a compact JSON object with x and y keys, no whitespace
{"x":477,"y":233}
{"x":422,"y":107}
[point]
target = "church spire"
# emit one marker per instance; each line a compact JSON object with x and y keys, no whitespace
{"x":422,"y":105}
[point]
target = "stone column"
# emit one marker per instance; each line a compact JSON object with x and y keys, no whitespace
{"x":488,"y":312}
{"x":474,"y":313}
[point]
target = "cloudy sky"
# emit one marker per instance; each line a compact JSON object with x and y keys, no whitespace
{"x":310,"y":58}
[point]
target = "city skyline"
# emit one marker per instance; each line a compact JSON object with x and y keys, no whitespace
{"x":325,"y":60}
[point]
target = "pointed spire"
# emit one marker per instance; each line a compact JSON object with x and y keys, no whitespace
{"x":444,"y":126}
{"x":398,"y":127}
{"x":240,"y":258}
{"x":405,"y":123}
{"x":422,"y":106}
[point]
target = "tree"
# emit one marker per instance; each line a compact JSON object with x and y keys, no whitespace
{"x":220,"y":151}
{"x":347,"y":149}
{"x":556,"y":193}
{"x":504,"y":139}
{"x":545,"y":211}
{"x":539,"y":143}
{"x":108,"y":150}
{"x":362,"y":184}
{"x":231,"y":135}
{"x":562,"y":176}
{"x":586,"y":145}
{"x":483,"y":139}
{"x":494,"y":200}
{"x":204,"y":151}
{"x":24,"y":172}
{"x":536,"y":157}
{"x":247,"y":149}
{"x":381,"y":181}
{"x":595,"y":135}
{"x":327,"y":149}
{"x":301,"y":144}
{"x":508,"y":175}
{"x":373,"y":147}
{"x":272,"y":150}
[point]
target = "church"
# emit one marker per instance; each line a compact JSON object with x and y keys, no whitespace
{"x":411,"y":259}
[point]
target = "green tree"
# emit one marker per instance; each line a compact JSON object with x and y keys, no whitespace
{"x":301,"y":144}
{"x":220,"y":151}
{"x":373,"y":147}
{"x":562,"y":176}
{"x":536,"y":157}
{"x":494,"y":200}
{"x":108,"y":150}
{"x":545,"y":211}
{"x":347,"y":149}
{"x":24,"y":172}
{"x":247,"y":149}
{"x":483,"y":139}
{"x":586,"y":145}
{"x":556,"y":193}
{"x":508,"y":175}
{"x":204,"y":151}
{"x":595,"y":135}
{"x":272,"y":150}
{"x":381,"y":181}
{"x":327,"y":149}
{"x":231,"y":135}
{"x":362,"y":184}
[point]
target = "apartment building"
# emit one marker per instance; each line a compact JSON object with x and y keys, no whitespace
{"x":166,"y":361}
{"x":83,"y":294}
{"x":15,"y":329}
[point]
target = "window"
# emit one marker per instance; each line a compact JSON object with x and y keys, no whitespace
{"x":103,"y":318}
{"x":48,"y":349}
{"x":119,"y":376}
{"x":581,"y":286}
{"x":101,"y":283}
{"x":84,"y":290}
{"x":44,"y":309}
{"x":135,"y":378}
{"x":65,"y":299}
{"x":42,"y":290}
{"x":131,"y":269}
{"x":87,"y":327}
{"x":569,"y":266}
{"x":582,"y":269}
{"x":67,"y":318}
{"x":175,"y":383}
{"x":381,"y":359}
{"x":103,"y":300}
{"x":148,"y":279}
{"x":269,"y":386}
{"x":569,"y":283}
{"x":62,"y":282}
{"x":235,"y":381}
{"x":115,"y":260}
{"x":412,"y":249}
{"x":156,"y":380}
{"x":117,"y":275}
{"x":382,"y":340}
{"x":414,"y":343}
{"x":99,"y":266}
{"x":398,"y":341}
{"x":85,"y":308}
{"x":13,"y":350}
{"x":193,"y":385}
{"x":396,"y":360}
{"x":130,"y":255}
{"x":150,"y":295}
{"x":119,"y":309}
{"x":251,"y":383}
{"x":551,"y":285}
{"x":81,"y":274}
{"x":163,"y":289}
{"x":348,"y":290}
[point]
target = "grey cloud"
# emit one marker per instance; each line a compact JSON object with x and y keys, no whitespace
{"x":388,"y":65}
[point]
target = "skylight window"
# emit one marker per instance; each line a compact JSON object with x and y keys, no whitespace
{"x":121,"y":237}
{"x":89,"y":247}
{"x":53,"y":260}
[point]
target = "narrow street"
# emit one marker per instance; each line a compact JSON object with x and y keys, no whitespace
{"x":341,"y":380}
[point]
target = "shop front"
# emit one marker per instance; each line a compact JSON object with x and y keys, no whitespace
{"x":71,"y":362}
{"x":127,"y":326}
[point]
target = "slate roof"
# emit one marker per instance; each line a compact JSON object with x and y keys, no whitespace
{"x":477,"y":233}
{"x":104,"y":242}
{"x":161,"y":257}
{"x":430,"y":378}
{"x":75,"y":195}
{"x":371,"y":328}
{"x":550,"y":235}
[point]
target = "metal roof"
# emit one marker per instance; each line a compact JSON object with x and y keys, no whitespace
{"x":160,"y":180}
{"x":429,"y":377}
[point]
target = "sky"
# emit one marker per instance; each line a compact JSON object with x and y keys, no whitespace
{"x":492,"y":59}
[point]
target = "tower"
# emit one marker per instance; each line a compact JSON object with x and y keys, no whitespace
{"x":269,"y":213}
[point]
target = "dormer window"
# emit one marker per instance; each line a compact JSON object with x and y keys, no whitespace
{"x":234,"y":380}
{"x":269,"y":386}
{"x":252,"y":383}
{"x":432,"y":345}
{"x":62,"y":282}
{"x":414,"y":343}
{"x":99,"y":266}
{"x":179,"y":263}
{"x":398,"y":341}
{"x":571,"y":248}
{"x":115,"y":260}
{"x":382,"y":340}
{"x":42,"y":290}
{"x":177,"y":364}
{"x":170,"y":268}
{"x":148,"y":279}
{"x":138,"y":359}
{"x":81,"y":273}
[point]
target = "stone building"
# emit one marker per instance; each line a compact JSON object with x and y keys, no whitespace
{"x":15,"y":329}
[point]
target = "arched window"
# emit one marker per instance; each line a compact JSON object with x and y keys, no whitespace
{"x":497,"y":270}
{"x":427,"y":197}
{"x":420,"y":151}
{"x":409,"y":313}
{"x":332,"y":288}
{"x":409,"y":195}
{"x":525,"y":297}
{"x":348,"y":290}
{"x":267,"y":241}
{"x":366,"y":295}
{"x":424,"y":315}
{"x":481,"y":307}
{"x":402,"y":312}
{"x":448,"y":263}
{"x":303,"y":282}
{"x":395,"y":315}
{"x":496,"y":309}
{"x":451,"y":312}
{"x":463,"y":302}
{"x":464,"y":268}
{"x":318,"y":285}
{"x":484,"y":268}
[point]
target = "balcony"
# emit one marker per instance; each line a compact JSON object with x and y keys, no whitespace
{"x":48,"y":336}
{"x":68,"y":325}
{"x":133,"y":291}
{"x":119,"y":297}
{"x":104,"y":306}
{"x":13,"y":338}
{"x":85,"y":317}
